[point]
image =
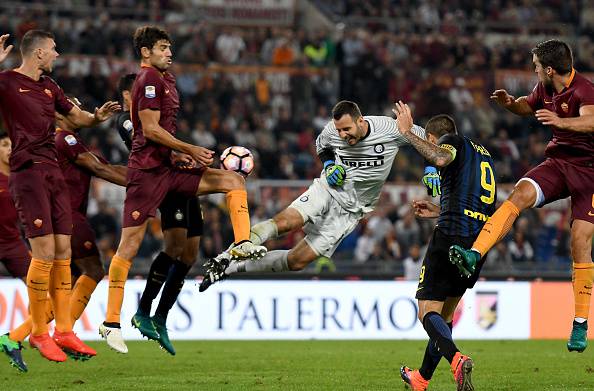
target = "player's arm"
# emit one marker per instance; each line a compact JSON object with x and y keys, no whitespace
{"x":519,"y":106}
{"x":583,"y":124}
{"x":113,"y":174}
{"x":153,"y":131}
{"x":4,"y":51}
{"x":84,"y":119}
{"x":335,"y":173}
{"x":425,"y":209}
{"x":436,"y":155}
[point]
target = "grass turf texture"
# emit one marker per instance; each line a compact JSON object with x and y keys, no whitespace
{"x":303,"y":365}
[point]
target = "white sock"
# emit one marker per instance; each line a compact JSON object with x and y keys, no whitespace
{"x":263,"y":231}
{"x":580,"y":320}
{"x":274,"y":261}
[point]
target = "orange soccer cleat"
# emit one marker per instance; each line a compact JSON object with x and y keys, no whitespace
{"x":73,"y":346}
{"x":47,"y":347}
{"x":413,"y":379}
{"x":462,"y":369}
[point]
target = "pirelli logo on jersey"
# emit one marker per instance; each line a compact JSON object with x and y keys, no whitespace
{"x":362,"y":161}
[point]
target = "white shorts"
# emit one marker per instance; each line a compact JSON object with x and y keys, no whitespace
{"x":327,"y":223}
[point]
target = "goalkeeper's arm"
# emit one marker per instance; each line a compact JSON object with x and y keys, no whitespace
{"x":335,"y":173}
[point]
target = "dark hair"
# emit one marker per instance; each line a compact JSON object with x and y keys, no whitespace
{"x":441,"y":124}
{"x":32,"y":38}
{"x":125,"y":82}
{"x":148,"y":36}
{"x":346,"y":107}
{"x":3,"y":134}
{"x":555,"y":54}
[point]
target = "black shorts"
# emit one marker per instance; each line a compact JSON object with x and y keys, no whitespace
{"x":439,"y":278}
{"x":180,"y":211}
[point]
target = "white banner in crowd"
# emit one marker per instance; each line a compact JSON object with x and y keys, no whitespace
{"x":301,"y":310}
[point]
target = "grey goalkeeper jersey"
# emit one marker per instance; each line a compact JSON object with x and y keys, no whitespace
{"x":367,"y":163}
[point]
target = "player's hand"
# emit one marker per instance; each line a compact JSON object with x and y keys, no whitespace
{"x":502,"y":98}
{"x":403,"y":117}
{"x":335,"y":173}
{"x":425,"y":209}
{"x":547,"y":117}
{"x":432,"y":181}
{"x":4,"y":50}
{"x":182,"y":160}
{"x":202,"y":155}
{"x":107,"y":110}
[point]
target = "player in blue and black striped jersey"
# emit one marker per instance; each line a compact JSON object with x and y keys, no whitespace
{"x":467,"y":201}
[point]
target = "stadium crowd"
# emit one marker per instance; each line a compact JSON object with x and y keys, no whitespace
{"x":422,"y":65}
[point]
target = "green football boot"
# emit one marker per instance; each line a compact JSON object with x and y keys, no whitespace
{"x":578,"y":340}
{"x":145,"y":325}
{"x":464,"y":260}
{"x":160,"y":325}
{"x":13,"y":350}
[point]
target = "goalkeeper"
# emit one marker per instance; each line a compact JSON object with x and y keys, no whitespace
{"x":357,"y":153}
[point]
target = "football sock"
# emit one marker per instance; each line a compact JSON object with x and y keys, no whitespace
{"x":274,"y":261}
{"x":118,"y":274}
{"x":21,"y":332}
{"x":438,"y":331}
{"x":38,"y":281}
{"x":431,"y":358}
{"x":238,"y":212}
{"x":156,"y":278}
{"x":60,"y":293}
{"x":582,"y":276}
{"x":496,"y":227}
{"x":81,"y":294}
{"x":173,"y":285}
{"x":263,"y":231}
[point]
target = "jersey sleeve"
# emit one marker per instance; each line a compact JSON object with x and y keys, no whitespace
{"x":69,"y":146}
{"x":62,"y":104}
{"x":452,"y":143}
{"x":125,"y":129}
{"x":150,"y":91}
{"x":586,"y":94}
{"x":401,"y":140}
{"x":534,"y":99}
{"x":323,"y":140}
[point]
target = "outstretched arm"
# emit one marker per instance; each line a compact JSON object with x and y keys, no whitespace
{"x":84,"y":119}
{"x":440,"y":157}
{"x":4,"y":51}
{"x":113,"y":174}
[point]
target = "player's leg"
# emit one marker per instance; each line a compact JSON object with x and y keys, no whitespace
{"x":174,"y":239}
{"x":91,"y":273}
{"x":283,"y":222}
{"x":541,"y":185}
{"x":173,"y":286}
{"x":233,"y":186}
{"x":582,"y":278}
{"x":60,"y":292}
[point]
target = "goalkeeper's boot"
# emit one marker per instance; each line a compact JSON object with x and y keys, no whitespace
{"x":413,"y":379}
{"x":462,"y":369}
{"x":160,"y":326}
{"x":73,"y":346}
{"x":145,"y":325}
{"x":247,"y":250}
{"x":13,"y":350}
{"x":215,"y":270}
{"x":113,"y":337}
{"x":47,"y":347}
{"x":578,"y":340}
{"x":464,"y":260}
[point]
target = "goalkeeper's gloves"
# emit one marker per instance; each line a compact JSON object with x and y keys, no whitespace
{"x":431,"y":181}
{"x":335,"y":173}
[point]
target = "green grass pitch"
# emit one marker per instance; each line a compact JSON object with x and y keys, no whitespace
{"x":303,"y":365}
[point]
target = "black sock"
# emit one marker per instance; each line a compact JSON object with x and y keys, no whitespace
{"x":154,"y":282}
{"x":439,"y":332}
{"x":173,"y":285}
{"x":431,"y":358}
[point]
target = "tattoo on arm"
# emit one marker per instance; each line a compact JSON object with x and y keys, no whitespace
{"x":437,"y":156}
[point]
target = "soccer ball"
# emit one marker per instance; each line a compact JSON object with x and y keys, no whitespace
{"x":238,"y":159}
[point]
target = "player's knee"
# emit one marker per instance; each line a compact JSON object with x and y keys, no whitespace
{"x":174,"y":250}
{"x":581,"y":245}
{"x":288,"y":220}
{"x":297,"y":262}
{"x":233,"y":181}
{"x":523,"y":196}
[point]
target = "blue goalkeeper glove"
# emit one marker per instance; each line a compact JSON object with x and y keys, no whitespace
{"x":431,"y":181}
{"x":335,"y":173}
